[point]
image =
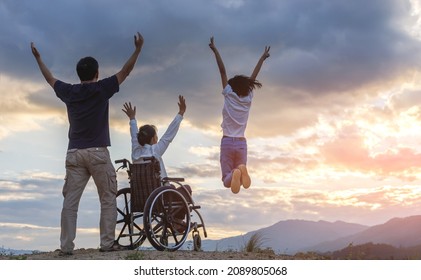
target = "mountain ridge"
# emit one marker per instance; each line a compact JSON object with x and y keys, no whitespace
{"x":295,"y":235}
{"x":398,"y":232}
{"x":289,"y":236}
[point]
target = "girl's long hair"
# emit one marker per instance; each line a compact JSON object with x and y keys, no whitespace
{"x":243,"y":85}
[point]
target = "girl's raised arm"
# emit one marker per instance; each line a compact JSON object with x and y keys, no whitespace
{"x":220,"y":63}
{"x":260,"y":63}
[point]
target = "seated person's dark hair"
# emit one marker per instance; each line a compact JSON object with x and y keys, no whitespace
{"x":87,"y":68}
{"x":145,"y":134}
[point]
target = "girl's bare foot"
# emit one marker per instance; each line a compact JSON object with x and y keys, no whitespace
{"x":236,"y":181}
{"x":245,"y":178}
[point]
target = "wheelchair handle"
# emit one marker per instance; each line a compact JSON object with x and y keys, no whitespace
{"x":123,"y":161}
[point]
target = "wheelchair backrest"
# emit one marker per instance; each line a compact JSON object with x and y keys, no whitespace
{"x":144,"y":179}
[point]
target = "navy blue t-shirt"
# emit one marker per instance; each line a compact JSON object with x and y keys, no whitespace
{"x":87,"y":110}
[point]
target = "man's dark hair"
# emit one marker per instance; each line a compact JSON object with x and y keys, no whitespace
{"x":145,"y":134}
{"x":243,"y":85}
{"x":87,"y":68}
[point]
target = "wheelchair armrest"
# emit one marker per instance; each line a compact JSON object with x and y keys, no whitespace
{"x":170,"y":179}
{"x":148,"y":158}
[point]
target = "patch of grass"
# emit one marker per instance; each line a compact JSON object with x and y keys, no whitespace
{"x":10,"y":255}
{"x":170,"y":255}
{"x":138,"y":255}
{"x":255,"y":243}
{"x":18,"y":257}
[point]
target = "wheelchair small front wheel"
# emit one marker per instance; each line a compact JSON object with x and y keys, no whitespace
{"x":197,"y":242}
{"x":166,"y":219}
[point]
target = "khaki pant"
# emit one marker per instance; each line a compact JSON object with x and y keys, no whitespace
{"x":81,"y":164}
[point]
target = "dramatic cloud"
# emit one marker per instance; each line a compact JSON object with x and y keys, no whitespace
{"x":319,"y":48}
{"x":333,"y":133}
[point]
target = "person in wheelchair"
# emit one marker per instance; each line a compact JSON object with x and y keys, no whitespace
{"x":145,"y":141}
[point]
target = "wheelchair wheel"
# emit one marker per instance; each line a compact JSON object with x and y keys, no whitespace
{"x":166,"y":219}
{"x":129,"y":225}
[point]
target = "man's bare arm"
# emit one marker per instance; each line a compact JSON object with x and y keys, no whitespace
{"x":44,"y":69}
{"x":129,"y":65}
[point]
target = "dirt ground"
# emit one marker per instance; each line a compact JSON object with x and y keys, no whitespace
{"x":95,"y":254}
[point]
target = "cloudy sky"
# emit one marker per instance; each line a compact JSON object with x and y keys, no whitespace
{"x":334,"y":133}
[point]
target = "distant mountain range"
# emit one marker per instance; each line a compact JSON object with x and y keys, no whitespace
{"x":398,"y":232}
{"x":292,"y":236}
{"x":13,"y":252}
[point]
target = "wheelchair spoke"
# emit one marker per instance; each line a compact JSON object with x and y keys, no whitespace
{"x":156,"y":215}
{"x":159,"y":227}
{"x":130,"y":232}
{"x":137,"y":226}
{"x":120,"y":221}
{"x":174,"y":233}
{"x":121,"y":231}
{"x":135,"y":216}
{"x":121,"y":212}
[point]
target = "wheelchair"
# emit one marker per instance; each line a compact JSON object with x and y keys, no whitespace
{"x":160,"y":210}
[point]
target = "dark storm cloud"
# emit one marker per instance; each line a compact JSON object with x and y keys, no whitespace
{"x":318,"y":48}
{"x":342,"y":45}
